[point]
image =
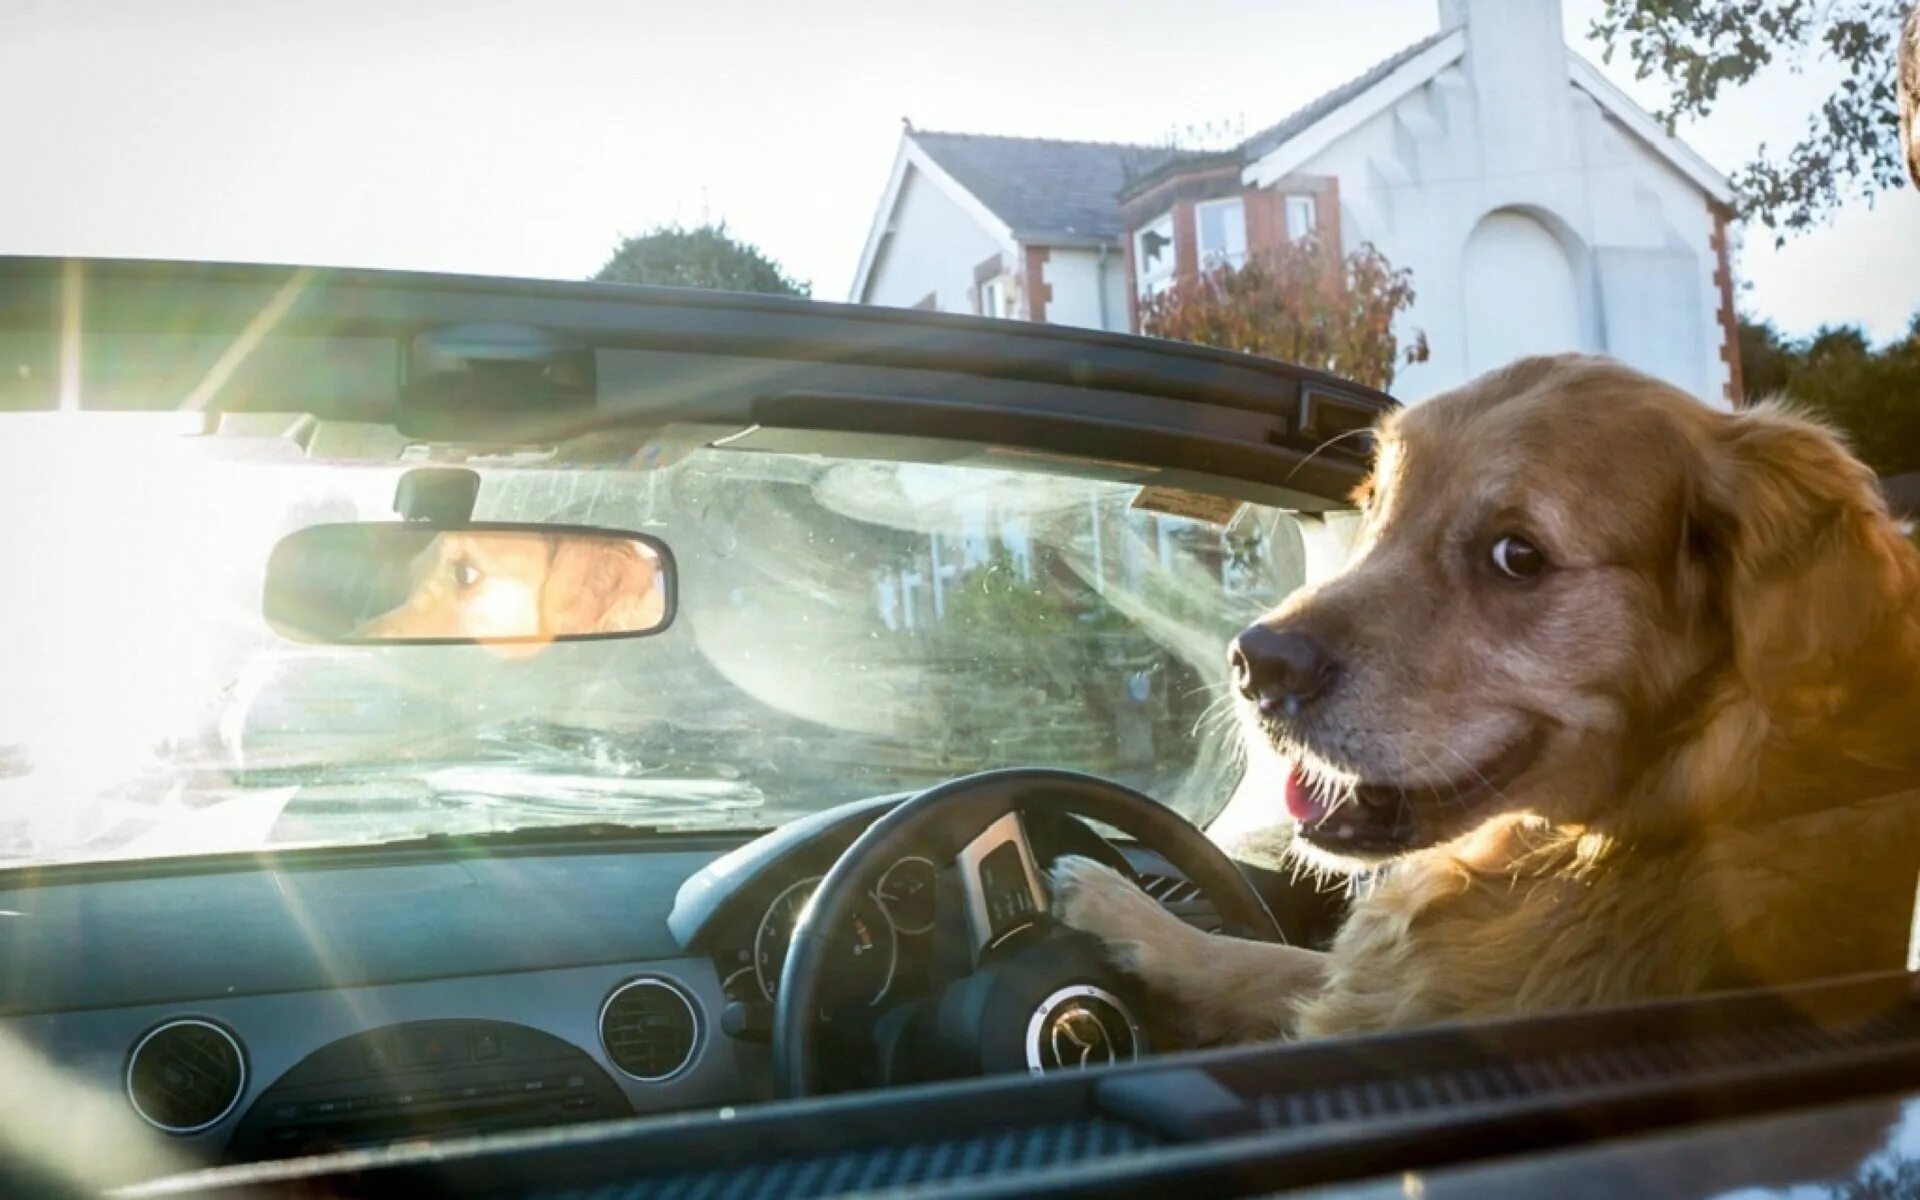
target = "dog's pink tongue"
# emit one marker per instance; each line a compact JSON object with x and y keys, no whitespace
{"x":1302,"y":805}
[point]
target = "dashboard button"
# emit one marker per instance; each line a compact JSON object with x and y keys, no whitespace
{"x":486,"y":1045}
{"x":430,"y":1048}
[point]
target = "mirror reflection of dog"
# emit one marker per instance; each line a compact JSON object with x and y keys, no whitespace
{"x":492,"y":584}
{"x":1617,"y":695}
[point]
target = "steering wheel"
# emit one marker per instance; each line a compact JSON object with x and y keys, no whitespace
{"x":1029,"y":992}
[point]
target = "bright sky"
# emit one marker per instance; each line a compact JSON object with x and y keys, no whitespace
{"x":524,"y":138}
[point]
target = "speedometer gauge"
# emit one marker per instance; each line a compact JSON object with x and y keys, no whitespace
{"x":860,"y":954}
{"x":906,"y":892}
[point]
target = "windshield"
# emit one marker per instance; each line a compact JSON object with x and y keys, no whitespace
{"x":846,"y":629}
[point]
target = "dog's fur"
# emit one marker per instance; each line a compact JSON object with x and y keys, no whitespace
{"x":1703,"y":719}
{"x":501,"y":584}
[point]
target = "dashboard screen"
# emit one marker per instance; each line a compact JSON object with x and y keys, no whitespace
{"x":1006,"y":889}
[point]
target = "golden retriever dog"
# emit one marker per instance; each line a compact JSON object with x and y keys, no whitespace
{"x":1618,"y":696}
{"x":525,"y":585}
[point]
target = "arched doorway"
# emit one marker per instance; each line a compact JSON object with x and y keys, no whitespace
{"x":1522,"y":292}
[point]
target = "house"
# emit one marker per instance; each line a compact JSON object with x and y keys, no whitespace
{"x":1537,"y":207}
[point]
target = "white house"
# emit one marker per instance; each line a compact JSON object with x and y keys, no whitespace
{"x":1537,"y":207}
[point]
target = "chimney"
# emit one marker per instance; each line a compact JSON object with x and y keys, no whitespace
{"x":1517,"y":61}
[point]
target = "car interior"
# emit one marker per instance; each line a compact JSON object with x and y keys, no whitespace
{"x":717,"y":895}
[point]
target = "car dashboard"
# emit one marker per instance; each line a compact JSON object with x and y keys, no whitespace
{"x":264,"y":1008}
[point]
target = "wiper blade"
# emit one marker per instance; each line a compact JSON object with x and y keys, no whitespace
{"x":544,"y":835}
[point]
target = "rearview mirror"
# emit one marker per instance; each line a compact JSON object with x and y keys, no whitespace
{"x":415,"y":583}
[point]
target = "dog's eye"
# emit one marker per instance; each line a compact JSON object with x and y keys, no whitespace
{"x":465,"y":574}
{"x":1517,"y":558}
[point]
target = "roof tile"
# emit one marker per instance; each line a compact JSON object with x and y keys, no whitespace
{"x":1046,"y":188}
{"x":1042,"y":187}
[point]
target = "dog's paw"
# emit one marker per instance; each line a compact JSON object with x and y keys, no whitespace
{"x":1097,"y":899}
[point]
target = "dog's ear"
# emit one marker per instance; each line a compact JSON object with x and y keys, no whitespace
{"x":599,"y":587}
{"x":1812,"y":568}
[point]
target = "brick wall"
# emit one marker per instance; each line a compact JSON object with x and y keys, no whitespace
{"x":1038,"y":290}
{"x":1729,"y":323}
{"x":1267,"y":210}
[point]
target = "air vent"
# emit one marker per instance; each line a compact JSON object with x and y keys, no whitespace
{"x":650,"y":1029}
{"x":1168,"y":889}
{"x":184,"y":1076}
{"x":1183,"y":899}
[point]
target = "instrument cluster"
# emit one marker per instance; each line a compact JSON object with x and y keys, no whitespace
{"x":895,"y":916}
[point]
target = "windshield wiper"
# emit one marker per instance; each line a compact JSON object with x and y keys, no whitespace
{"x":553,"y":835}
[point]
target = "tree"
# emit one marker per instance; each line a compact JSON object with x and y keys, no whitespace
{"x":1873,"y":396}
{"x":1850,"y":147}
{"x":706,"y":257}
{"x":1300,"y":303}
{"x":1909,"y":90}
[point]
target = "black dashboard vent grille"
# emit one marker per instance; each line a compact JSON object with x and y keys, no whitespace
{"x":650,"y":1028}
{"x":1577,"y":1070}
{"x":185,"y":1075}
{"x":1742,"y":1045}
{"x":869,"y":1170}
{"x":1183,"y":899}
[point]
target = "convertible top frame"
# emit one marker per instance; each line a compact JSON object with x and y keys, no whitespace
{"x":486,"y":363}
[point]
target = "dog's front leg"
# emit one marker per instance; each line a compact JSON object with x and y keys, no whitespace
{"x":1227,"y":989}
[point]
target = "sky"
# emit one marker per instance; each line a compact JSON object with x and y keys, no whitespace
{"x":527,"y":138}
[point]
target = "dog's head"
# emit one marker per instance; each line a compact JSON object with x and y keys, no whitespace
{"x":1561,"y":565}
{"x":531,"y":585}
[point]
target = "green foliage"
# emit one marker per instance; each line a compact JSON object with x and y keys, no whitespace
{"x":1871,"y":395}
{"x":1300,"y":303}
{"x":1850,"y":146}
{"x":992,"y":600}
{"x":706,"y":257}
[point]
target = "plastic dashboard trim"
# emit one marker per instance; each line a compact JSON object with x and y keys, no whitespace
{"x":277,"y":1031}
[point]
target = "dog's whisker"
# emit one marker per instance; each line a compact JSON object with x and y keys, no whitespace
{"x":1364,"y":430}
{"x":1484,"y":781}
{"x":1431,"y":789}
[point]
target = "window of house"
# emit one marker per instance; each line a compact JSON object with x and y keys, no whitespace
{"x":1302,"y":213}
{"x":1153,"y":256}
{"x":1222,"y":229}
{"x":994,"y":298}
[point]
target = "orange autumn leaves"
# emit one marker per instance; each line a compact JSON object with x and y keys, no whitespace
{"x":1301,"y":303}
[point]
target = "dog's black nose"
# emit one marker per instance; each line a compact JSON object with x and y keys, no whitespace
{"x":1280,"y":670}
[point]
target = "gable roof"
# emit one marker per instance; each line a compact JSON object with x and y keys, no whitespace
{"x":1281,"y":149}
{"x":1058,"y":192}
{"x":1041,"y":188}
{"x":1307,"y":115}
{"x":1024,"y":189}
{"x":1637,"y":121}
